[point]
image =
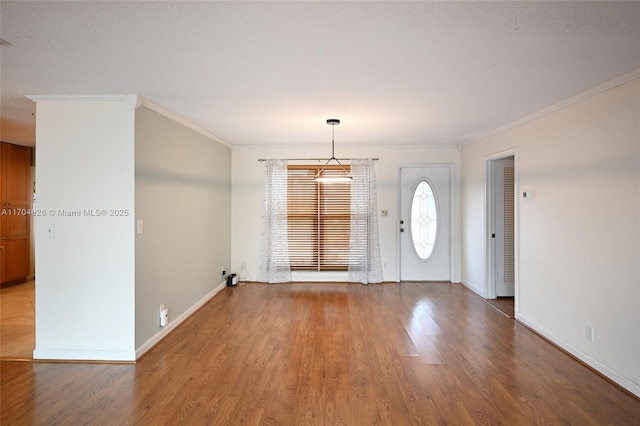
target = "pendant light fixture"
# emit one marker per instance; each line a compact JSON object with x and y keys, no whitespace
{"x":333,"y":178}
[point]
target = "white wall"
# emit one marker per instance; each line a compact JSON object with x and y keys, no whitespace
{"x":85,"y":272}
{"x":183,"y":197}
{"x":248,"y":199}
{"x":579,"y":237}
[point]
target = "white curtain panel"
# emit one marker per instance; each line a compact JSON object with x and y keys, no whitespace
{"x":274,"y":262}
{"x":364,"y":248}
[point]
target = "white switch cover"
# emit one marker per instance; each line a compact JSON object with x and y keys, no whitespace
{"x":139,"y":226}
{"x":527,"y":194}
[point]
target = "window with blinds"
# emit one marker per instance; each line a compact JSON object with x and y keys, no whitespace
{"x":318,"y":217}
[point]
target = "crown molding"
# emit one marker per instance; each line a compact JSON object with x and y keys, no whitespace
{"x":321,"y":145}
{"x":596,"y":90}
{"x":177,"y":118}
{"x":135,"y":101}
{"x":82,"y":98}
{"x":132,"y":99}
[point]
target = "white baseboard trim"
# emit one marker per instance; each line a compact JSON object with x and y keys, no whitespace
{"x":591,"y":362}
{"x":473,"y":287}
{"x":177,"y":321}
{"x":82,"y":355}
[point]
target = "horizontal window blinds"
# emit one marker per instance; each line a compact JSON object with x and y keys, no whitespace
{"x":318,"y":217}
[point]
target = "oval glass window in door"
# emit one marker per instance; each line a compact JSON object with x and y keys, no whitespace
{"x":424,"y":220}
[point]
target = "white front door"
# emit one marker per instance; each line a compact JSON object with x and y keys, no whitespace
{"x":425,"y":223}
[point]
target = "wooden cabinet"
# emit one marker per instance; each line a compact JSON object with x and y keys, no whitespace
{"x":15,"y":219}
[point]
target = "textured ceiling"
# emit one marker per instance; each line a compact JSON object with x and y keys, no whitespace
{"x":265,"y":72}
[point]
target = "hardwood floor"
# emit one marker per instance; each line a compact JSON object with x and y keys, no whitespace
{"x":17,"y":321}
{"x":319,"y":354}
{"x":504,"y":305}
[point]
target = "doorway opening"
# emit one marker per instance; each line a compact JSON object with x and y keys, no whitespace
{"x":17,"y":252}
{"x":501,"y":230}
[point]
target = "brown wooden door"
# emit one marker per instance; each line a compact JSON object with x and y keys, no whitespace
{"x":16,"y":259}
{"x":3,"y":167}
{"x":16,"y":175}
{"x":15,"y":243}
{"x":15,"y":219}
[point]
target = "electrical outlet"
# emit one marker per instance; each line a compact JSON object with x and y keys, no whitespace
{"x":223,"y":271}
{"x":164,"y":316}
{"x":589,"y":333}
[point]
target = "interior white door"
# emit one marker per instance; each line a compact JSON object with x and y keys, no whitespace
{"x":425,"y":223}
{"x":504,"y":228}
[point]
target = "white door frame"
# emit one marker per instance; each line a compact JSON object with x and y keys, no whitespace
{"x":490,"y":196}
{"x":453,"y":226}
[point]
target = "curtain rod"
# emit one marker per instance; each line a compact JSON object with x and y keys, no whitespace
{"x":316,"y":159}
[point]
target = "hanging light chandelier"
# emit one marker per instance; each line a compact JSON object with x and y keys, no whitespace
{"x":322,"y":176}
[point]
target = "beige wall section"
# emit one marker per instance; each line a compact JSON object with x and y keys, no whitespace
{"x":182,"y":195}
{"x":248,"y":199}
{"x":579,"y":236}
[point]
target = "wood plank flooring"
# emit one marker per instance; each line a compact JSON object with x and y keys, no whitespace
{"x":504,"y":305}
{"x":17,"y":321}
{"x":328,"y":354}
